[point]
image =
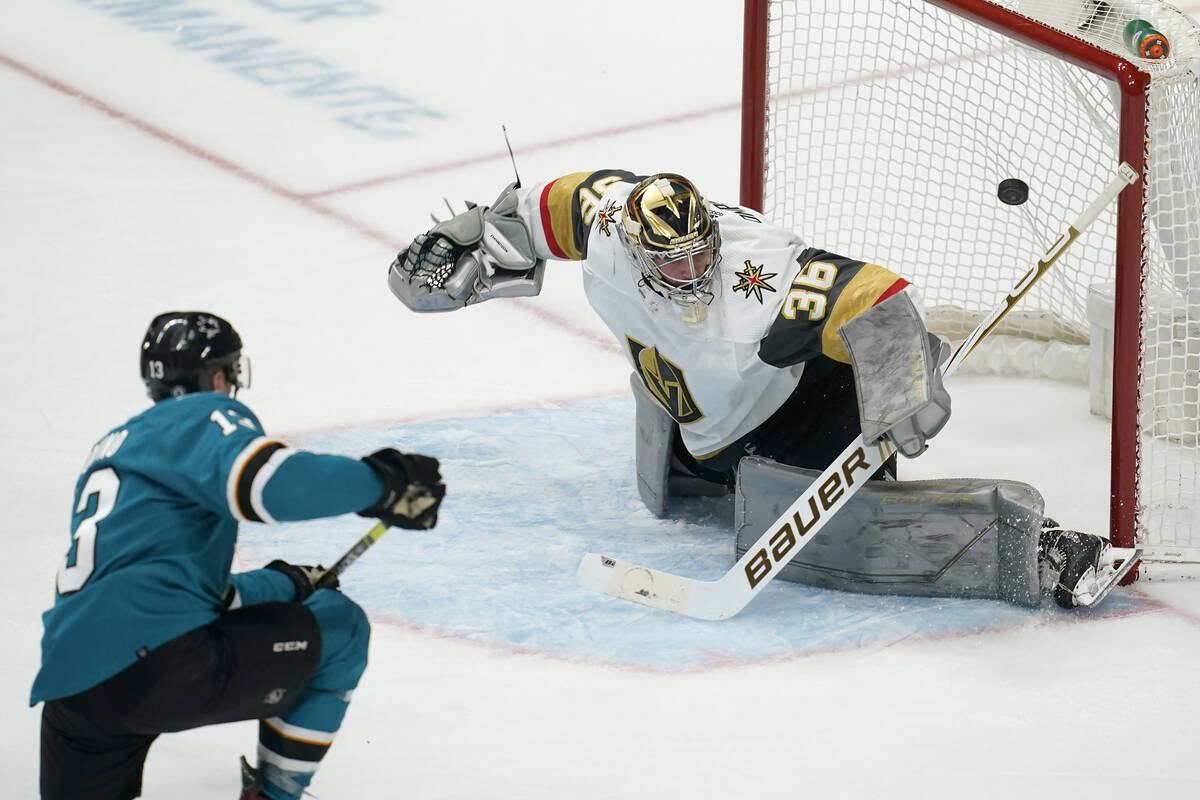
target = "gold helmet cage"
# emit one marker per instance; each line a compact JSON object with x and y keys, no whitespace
{"x":673,"y":237}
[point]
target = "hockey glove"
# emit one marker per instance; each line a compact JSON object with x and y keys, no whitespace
{"x":413,"y":489}
{"x":897,"y":374}
{"x":910,"y":434}
{"x":303,"y":577}
{"x":481,"y":254}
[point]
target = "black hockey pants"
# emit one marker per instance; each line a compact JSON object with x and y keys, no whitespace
{"x":245,"y":665}
{"x":809,"y":430}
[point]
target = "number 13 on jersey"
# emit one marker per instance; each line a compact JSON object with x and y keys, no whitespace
{"x":103,"y":484}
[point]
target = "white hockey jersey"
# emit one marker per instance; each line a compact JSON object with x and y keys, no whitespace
{"x":778,"y":304}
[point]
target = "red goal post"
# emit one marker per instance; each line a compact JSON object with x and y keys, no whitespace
{"x":883,"y":130}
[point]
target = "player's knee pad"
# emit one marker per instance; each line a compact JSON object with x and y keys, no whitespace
{"x":345,"y":634}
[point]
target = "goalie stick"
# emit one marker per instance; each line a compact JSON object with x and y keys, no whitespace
{"x":800,"y":522}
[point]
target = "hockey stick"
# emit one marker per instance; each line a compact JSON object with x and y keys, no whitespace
{"x":371,"y":537}
{"x":796,"y":526}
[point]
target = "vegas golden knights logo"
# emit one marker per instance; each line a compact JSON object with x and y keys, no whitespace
{"x":665,"y":381}
{"x":606,"y":217}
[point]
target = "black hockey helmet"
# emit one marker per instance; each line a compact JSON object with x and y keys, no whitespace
{"x":182,"y":350}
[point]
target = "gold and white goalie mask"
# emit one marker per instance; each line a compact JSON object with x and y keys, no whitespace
{"x":672,"y":239}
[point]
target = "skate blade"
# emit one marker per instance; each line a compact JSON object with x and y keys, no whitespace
{"x":1123,"y":560}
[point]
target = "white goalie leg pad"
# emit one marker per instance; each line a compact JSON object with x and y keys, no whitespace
{"x":941,"y":538}
{"x":653,"y":432}
{"x":659,"y":475}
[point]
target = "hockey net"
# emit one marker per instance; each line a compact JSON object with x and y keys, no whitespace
{"x":883,"y":131}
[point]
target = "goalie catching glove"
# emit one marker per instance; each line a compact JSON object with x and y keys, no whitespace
{"x":480,"y":254}
{"x":413,"y":489}
{"x":897,"y":374}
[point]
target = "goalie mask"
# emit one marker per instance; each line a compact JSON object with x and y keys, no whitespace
{"x":673,"y":239}
{"x":182,"y":350}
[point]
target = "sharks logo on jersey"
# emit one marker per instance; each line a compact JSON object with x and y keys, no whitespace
{"x":665,"y":381}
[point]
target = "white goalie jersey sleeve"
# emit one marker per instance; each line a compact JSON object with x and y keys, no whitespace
{"x":778,"y":304}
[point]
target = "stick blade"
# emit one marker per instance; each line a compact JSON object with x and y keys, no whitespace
{"x":644,"y":585}
{"x":654,"y":588}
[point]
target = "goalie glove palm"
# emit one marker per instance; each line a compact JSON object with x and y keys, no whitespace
{"x":432,"y":261}
{"x":413,"y":489}
{"x":481,"y":254}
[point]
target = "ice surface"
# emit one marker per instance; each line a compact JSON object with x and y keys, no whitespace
{"x":145,"y":167}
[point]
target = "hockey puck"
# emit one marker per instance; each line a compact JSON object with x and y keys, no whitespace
{"x":1013,"y":191}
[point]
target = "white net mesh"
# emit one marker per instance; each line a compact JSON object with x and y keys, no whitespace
{"x":890,"y":128}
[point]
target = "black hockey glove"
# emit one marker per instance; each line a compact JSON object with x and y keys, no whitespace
{"x":303,"y":577}
{"x":413,"y":489}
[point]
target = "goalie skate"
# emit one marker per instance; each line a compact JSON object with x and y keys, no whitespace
{"x":1082,"y":568}
{"x":1095,"y":585}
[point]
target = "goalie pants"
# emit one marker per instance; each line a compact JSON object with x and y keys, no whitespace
{"x":292,"y":665}
{"x":809,"y":430}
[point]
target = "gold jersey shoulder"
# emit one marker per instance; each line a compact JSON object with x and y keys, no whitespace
{"x":569,"y":206}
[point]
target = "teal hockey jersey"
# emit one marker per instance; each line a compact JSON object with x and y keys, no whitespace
{"x":153,"y":526}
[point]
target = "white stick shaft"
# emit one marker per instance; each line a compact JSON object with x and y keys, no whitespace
{"x":1125,"y":176}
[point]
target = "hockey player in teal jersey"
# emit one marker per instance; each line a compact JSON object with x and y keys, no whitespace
{"x":150,"y":633}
